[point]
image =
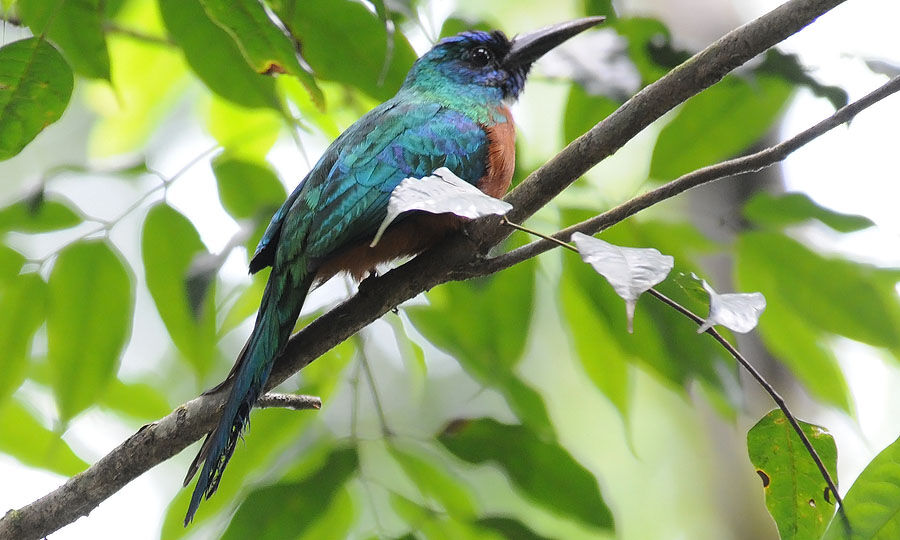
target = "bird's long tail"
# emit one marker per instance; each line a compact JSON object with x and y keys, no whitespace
{"x":278,"y":311}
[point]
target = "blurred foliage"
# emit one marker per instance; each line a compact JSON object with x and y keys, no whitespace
{"x":246,"y":74}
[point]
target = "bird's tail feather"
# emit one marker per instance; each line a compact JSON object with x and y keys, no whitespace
{"x":280,"y":306}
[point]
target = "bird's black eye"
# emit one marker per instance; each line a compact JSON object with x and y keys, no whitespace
{"x":480,"y":57}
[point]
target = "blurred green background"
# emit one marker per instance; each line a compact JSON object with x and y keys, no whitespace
{"x":516,"y":406}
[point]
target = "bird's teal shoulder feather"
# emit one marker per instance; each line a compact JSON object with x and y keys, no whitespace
{"x":345,"y":196}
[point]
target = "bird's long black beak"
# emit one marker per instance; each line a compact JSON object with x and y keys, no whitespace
{"x":527,"y":48}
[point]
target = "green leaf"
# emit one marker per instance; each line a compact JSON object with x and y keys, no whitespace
{"x":584,"y":111}
{"x":24,"y":301}
{"x":360,"y":60}
{"x":788,"y":67}
{"x":246,"y":134}
{"x":427,"y":523}
{"x":835,"y":295}
{"x":38,"y":214}
{"x":455,"y":25}
{"x":509,"y":528}
{"x":23,"y":437}
{"x":872,"y":505}
{"x":796,"y":494}
{"x":273,"y":434}
{"x":698,"y":136}
{"x":788,"y":334}
{"x":601,"y":356}
{"x":148,"y":81}
{"x":265,"y":47}
{"x":791,"y":208}
{"x":247,"y":189}
{"x":35,"y":87}
{"x":543,"y":471}
{"x":336,"y":522}
{"x":11,"y":262}
{"x":663,"y":340}
{"x":489,"y":352}
{"x":215,"y":57}
{"x":600,"y":7}
{"x":298,"y":503}
{"x":641,"y":33}
{"x":76,"y":26}
{"x":436,"y":483}
{"x":137,"y":400}
{"x":88,"y":324}
{"x":166,"y":264}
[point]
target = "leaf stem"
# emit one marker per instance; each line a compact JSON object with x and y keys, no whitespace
{"x":776,"y":397}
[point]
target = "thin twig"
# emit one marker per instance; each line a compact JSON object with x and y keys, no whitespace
{"x":753,"y":162}
{"x":115,"y":28}
{"x":297,"y":402}
{"x":776,"y":397}
{"x":376,"y":399}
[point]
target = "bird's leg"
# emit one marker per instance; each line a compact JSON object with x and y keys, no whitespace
{"x":369,"y":280}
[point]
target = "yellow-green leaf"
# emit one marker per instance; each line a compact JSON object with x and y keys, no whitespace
{"x":88,"y":323}
{"x":24,"y":301}
{"x":264,"y":45}
{"x":76,"y":26}
{"x":169,"y":244}
{"x":35,"y":87}
{"x":23,"y":437}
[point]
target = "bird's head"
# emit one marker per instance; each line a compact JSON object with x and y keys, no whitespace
{"x":488,"y":64}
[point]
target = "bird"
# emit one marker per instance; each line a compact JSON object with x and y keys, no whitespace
{"x":452,"y":111}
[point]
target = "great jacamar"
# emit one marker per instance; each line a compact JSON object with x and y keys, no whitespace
{"x":451,"y":111}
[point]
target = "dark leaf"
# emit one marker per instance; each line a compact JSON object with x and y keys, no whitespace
{"x":435,"y":482}
{"x":214,"y":56}
{"x":509,"y":528}
{"x":793,"y":208}
{"x":298,"y":504}
{"x":543,"y":471}
{"x":38,"y":214}
{"x":789,"y":68}
{"x":600,"y":7}
{"x":265,"y":47}
{"x":35,"y":87}
{"x":698,"y":136}
{"x":360,"y":59}
{"x":836,"y":295}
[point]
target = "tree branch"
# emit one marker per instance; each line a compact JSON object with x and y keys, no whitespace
{"x":163,"y":439}
{"x":751,"y":163}
{"x":289,"y":401}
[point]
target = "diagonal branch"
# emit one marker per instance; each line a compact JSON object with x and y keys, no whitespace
{"x":726,"y":169}
{"x":168,"y":436}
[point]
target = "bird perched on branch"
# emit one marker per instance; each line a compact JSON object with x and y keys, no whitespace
{"x":451,"y":111}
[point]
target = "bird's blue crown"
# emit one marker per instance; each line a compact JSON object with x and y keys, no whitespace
{"x":470,"y":62}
